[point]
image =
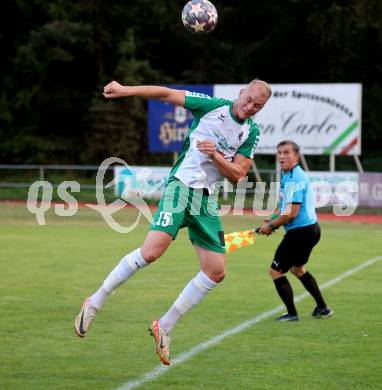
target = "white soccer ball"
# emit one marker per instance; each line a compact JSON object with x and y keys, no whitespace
{"x":199,"y":16}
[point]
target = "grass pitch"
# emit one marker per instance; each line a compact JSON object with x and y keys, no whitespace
{"x":46,"y":271}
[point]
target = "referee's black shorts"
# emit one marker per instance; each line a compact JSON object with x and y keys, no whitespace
{"x":295,"y":248}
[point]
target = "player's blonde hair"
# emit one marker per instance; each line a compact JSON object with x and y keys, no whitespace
{"x":264,"y":86}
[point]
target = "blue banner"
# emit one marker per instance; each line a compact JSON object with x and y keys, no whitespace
{"x":169,"y":124}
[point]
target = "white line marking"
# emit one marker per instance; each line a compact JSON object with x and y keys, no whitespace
{"x":183,"y":357}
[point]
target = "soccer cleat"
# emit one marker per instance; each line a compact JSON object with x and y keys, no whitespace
{"x":84,"y":318}
{"x":323,"y":312}
{"x":288,"y":317}
{"x":162,"y":339}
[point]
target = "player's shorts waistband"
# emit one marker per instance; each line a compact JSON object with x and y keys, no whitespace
{"x":205,"y":191}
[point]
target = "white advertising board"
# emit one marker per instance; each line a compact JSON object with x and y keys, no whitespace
{"x":334,"y":188}
{"x":147,"y":181}
{"x":320,"y":118}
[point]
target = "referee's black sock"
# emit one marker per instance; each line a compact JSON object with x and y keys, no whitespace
{"x":285,"y":291}
{"x":311,"y":286}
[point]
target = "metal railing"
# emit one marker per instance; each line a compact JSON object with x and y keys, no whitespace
{"x":17,"y":174}
{"x":41,"y":170}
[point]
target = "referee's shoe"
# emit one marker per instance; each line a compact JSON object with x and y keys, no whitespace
{"x":322,"y":312}
{"x":288,"y":317}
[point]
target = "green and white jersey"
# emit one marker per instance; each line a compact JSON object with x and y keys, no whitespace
{"x":213,"y":120}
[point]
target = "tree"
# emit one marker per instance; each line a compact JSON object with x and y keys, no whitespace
{"x":59,"y":55}
{"x":118,"y":128}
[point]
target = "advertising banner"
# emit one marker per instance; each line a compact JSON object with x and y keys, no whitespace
{"x":370,"y":189}
{"x":334,"y":188}
{"x":148,"y":182}
{"x":330,"y":188}
{"x":320,"y":118}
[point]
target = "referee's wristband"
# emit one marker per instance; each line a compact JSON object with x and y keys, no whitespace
{"x":274,"y":216}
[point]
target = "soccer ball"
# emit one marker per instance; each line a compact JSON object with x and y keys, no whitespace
{"x":199,"y":16}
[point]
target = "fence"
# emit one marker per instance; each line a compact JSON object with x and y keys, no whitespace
{"x":20,"y":176}
{"x":19,"y":173}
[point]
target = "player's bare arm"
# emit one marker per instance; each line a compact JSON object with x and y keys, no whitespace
{"x":233,"y":171}
{"x":116,"y":90}
{"x":268,"y":227}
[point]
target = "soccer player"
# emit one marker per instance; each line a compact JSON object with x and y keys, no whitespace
{"x":221,"y":142}
{"x":298,"y":216}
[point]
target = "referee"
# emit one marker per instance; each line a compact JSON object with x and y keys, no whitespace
{"x":296,"y":212}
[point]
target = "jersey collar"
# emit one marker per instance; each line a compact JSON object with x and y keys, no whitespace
{"x":291,"y":170}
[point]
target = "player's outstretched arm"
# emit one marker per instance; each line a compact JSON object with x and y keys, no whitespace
{"x":115,"y":90}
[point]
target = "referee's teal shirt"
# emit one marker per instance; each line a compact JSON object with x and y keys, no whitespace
{"x":295,"y":187}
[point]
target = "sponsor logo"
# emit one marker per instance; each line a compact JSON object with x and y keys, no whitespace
{"x":198,"y":94}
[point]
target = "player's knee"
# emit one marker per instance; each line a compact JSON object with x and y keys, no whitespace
{"x":220,"y":277}
{"x":217,"y":276}
{"x":152,"y":254}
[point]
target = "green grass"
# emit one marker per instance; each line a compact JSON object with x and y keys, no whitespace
{"x":46,"y":271}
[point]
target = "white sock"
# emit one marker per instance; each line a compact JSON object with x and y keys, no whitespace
{"x":99,"y":298}
{"x":192,"y":294}
{"x":123,"y":271}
